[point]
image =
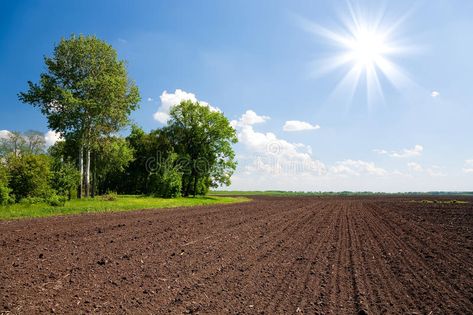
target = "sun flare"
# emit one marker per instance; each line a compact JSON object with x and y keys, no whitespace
{"x":365,"y":46}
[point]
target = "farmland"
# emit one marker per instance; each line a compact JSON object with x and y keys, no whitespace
{"x":273,"y":255}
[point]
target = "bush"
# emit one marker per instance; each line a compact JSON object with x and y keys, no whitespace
{"x":56,"y":201}
{"x":31,"y":200}
{"x":5,"y":191}
{"x":30,"y":176}
{"x":65,"y":178}
{"x":5,"y":197}
{"x":166,"y":185}
{"x":110,"y":196}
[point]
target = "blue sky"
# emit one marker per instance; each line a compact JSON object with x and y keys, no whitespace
{"x":260,"y":63}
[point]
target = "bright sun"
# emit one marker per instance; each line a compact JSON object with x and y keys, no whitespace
{"x":365,"y":46}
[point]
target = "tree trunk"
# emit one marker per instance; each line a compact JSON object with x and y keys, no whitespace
{"x":87,"y":173}
{"x":81,"y":170}
{"x":195,"y":185}
{"x":94,"y":178}
{"x":188,"y":187}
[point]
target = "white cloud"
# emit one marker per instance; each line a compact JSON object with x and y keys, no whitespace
{"x":356,"y":168}
{"x":468,"y":166}
{"x":415,"y":167}
{"x":404,"y":153}
{"x":249,"y":118}
{"x":4,"y":134}
{"x":168,"y":100}
{"x":435,"y":94}
{"x":150,"y":99}
{"x":435,"y":170}
{"x":267,"y":153}
{"x":51,"y":138}
{"x":297,"y":125}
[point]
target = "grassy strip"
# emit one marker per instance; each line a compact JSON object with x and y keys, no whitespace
{"x":121,"y":203}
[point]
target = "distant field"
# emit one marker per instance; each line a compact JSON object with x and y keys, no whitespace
{"x":122,"y":203}
{"x":329,"y":193}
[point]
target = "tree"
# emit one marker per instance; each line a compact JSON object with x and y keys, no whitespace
{"x":16,"y":143}
{"x":30,"y":176}
{"x":85,"y":94}
{"x":110,"y":160}
{"x":13,"y":143}
{"x":34,"y":142}
{"x":203,"y":139}
{"x":65,"y":177}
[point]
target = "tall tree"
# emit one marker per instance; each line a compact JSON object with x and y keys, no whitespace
{"x":12,"y":143}
{"x":85,"y":94}
{"x":203,"y":138}
{"x":35,"y":142}
{"x":16,"y":143}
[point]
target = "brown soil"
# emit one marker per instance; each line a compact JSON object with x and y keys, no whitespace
{"x":270,"y":256}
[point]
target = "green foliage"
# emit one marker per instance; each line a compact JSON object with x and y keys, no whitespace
{"x":16,"y":143}
{"x":110,"y":196}
{"x":56,"y":201}
{"x":110,"y":159}
{"x":203,"y":139}
{"x":65,"y":178}
{"x":85,"y":90}
{"x":85,"y":93}
{"x":32,"y":200}
{"x":5,"y":191}
{"x":166,"y":181}
{"x":86,"y":96}
{"x":30,"y":176}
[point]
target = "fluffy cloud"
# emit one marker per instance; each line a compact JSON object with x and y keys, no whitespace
{"x":51,"y":138}
{"x":249,"y":118}
{"x":404,"y":153}
{"x":435,"y":170}
{"x":168,"y":100}
{"x":356,"y":168}
{"x":468,"y":166}
{"x":415,"y":167}
{"x":150,"y":99}
{"x":267,"y":153}
{"x":435,"y":94}
{"x":297,"y":125}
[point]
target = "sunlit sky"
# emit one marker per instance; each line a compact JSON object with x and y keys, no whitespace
{"x":324,"y":95}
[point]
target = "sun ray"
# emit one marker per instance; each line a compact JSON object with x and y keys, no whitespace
{"x":365,"y":44}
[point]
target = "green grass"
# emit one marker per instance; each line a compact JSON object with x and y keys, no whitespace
{"x":121,"y":203}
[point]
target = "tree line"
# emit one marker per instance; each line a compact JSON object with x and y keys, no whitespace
{"x":87,"y":97}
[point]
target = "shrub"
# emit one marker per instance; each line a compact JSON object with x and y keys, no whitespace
{"x":166,"y":185}
{"x":31,"y":200}
{"x":65,"y":178}
{"x":110,"y":196}
{"x":5,"y":197}
{"x":30,"y":176}
{"x":56,"y":201}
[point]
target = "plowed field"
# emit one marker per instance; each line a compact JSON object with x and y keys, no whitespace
{"x":274,"y":255}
